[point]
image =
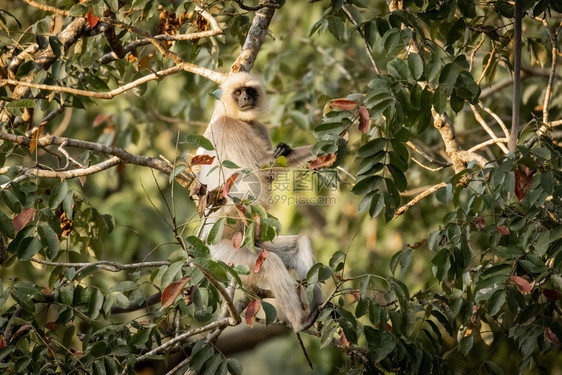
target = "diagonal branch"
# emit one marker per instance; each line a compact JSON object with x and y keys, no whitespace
{"x":487,"y":128}
{"x":255,"y":38}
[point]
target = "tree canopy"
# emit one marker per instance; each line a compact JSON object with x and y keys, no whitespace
{"x":434,"y":203}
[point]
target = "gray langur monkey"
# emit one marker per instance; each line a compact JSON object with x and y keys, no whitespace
{"x":238,"y":136}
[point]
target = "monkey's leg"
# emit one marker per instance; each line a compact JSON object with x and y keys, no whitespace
{"x":296,"y":253}
{"x":274,"y":273}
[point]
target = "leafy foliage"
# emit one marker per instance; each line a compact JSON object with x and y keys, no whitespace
{"x":90,"y":283}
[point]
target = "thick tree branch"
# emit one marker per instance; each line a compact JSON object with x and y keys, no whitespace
{"x":254,"y":39}
{"x":453,"y":149}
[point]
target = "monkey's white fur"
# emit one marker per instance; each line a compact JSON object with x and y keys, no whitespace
{"x":229,"y":108}
{"x":237,"y":136}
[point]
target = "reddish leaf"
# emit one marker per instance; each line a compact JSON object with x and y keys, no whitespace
{"x":91,"y":18}
{"x":552,"y":294}
{"x":502,"y":229}
{"x":172,"y":291}
{"x":388,"y":327}
{"x":251,"y":312}
{"x":551,"y":336}
{"x":323,"y":161}
{"x":145,"y":61}
{"x":237,"y":240}
{"x":21,"y":330}
{"x":343,"y":339}
{"x":257,"y":224}
{"x":228,"y":185}
{"x":261,"y":258}
{"x":2,"y":342}
{"x":100,"y":119}
{"x":52,"y":326}
{"x":363,"y":119}
{"x":417,"y":245}
{"x":202,"y":160}
{"x":241,"y":210}
{"x":23,"y":218}
{"x":523,"y":285}
{"x":344,"y":104}
{"x":480,"y":223}
{"x":353,"y":296}
{"x":523,"y":181}
{"x":35,"y":137}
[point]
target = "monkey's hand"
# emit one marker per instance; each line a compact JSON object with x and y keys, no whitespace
{"x":282,"y":149}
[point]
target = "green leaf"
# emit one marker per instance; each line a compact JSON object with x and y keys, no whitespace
{"x":140,"y":338}
{"x":371,"y":148}
{"x":6,"y":225}
{"x":56,"y":45}
{"x":448,"y":77}
{"x":415,"y":64}
{"x":270,"y":312}
{"x":66,"y":294}
{"x":398,"y":177}
{"x":199,"y":141}
{"x":21,"y":103}
{"x":124,"y":286}
{"x":336,"y":27}
{"x":229,"y":164}
{"x":199,"y":358}
{"x":440,"y":100}
{"x":466,"y":344}
{"x":29,"y":246}
{"x":78,"y":10}
{"x":49,"y":240}
{"x":234,"y":367}
{"x":367,"y":185}
{"x":444,"y":194}
{"x":58,"y":194}
{"x":496,"y":302}
{"x":26,"y":69}
{"x":95,"y":304}
{"x":215,"y":235}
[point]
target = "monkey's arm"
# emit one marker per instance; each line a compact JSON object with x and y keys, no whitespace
{"x":295,"y":156}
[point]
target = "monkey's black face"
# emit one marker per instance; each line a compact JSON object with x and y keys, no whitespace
{"x":246,"y":97}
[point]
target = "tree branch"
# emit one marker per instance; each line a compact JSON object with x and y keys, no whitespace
{"x":254,"y":39}
{"x":368,"y":48}
{"x":417,"y":199}
{"x":184,"y":178}
{"x":516,"y":77}
{"x":487,"y":129}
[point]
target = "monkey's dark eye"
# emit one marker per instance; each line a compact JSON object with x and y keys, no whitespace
{"x":237,"y":92}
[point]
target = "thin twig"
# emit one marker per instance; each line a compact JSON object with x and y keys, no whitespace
{"x":63,"y":174}
{"x":368,"y":48}
{"x":104,"y":264}
{"x":489,"y":142}
{"x":496,"y":117}
{"x":417,"y":199}
{"x":487,"y":128}
{"x":427,"y":156}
